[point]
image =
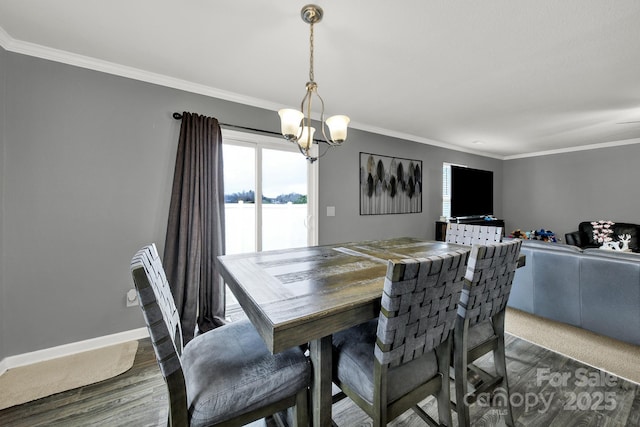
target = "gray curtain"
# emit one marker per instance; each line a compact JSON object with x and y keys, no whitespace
{"x":195,"y":230}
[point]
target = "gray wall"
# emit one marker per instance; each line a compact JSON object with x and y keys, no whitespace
{"x":89,"y":162}
{"x":556,"y":192}
{"x":88,"y":165}
{"x":86,"y":155}
{"x":339,"y":187}
{"x":3,"y":95}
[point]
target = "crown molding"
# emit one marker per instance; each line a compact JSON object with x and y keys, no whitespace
{"x":5,"y":38}
{"x":421,"y":140}
{"x":56,"y":55}
{"x":574,"y":149}
{"x":82,"y":61}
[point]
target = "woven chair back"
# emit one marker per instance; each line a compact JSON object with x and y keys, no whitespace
{"x":488,"y":280}
{"x":158,"y":308}
{"x":418,"y":306}
{"x":467,"y":234}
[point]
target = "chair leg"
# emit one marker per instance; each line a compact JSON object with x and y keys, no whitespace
{"x":500,"y":363}
{"x":443,"y":397}
{"x":380,"y":409}
{"x":301,"y":410}
{"x":379,"y":417}
{"x":460,"y":369}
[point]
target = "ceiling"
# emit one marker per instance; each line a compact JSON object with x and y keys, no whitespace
{"x":501,"y":78}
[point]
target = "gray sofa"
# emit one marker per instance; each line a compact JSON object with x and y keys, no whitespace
{"x":593,"y":289}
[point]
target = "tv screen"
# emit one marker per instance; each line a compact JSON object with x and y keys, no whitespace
{"x":471,"y":192}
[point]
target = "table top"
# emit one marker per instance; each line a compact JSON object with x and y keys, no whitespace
{"x":293,"y":296}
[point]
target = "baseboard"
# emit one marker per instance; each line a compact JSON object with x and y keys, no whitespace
{"x":71,"y":348}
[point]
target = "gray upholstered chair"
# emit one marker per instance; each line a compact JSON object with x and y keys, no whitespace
{"x":467,"y":234}
{"x":224,"y":377}
{"x":389,"y":364}
{"x":480,"y":324}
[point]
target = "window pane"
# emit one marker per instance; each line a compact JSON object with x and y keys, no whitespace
{"x":446,"y":190}
{"x":284,"y":199}
{"x":239,"y":198}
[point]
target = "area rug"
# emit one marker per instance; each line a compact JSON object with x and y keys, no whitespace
{"x":607,"y":354}
{"x":26,"y":383}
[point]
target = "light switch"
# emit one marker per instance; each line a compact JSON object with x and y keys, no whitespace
{"x":331,"y":211}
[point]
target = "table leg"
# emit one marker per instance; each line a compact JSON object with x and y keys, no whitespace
{"x":320,"y":353}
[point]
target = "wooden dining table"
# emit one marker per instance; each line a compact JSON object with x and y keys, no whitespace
{"x":304,"y":295}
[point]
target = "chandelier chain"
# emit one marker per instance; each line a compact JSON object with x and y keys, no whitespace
{"x":311,"y":53}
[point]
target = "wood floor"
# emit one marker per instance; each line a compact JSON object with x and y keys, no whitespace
{"x":547,"y":390}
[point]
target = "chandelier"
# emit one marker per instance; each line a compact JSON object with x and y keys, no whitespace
{"x":296,"y":124}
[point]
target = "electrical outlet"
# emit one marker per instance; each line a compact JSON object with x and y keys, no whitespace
{"x":132,"y":298}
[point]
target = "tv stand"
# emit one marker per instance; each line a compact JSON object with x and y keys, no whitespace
{"x":441,"y":226}
{"x":469,"y":219}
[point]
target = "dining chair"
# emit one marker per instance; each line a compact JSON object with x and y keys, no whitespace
{"x":468,"y":234}
{"x":390,"y":364}
{"x":223,"y":377}
{"x":480,"y":324}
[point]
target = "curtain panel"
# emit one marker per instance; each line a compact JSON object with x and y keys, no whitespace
{"x":195,"y":229}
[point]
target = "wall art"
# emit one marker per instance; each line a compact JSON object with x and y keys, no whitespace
{"x":389,"y":185}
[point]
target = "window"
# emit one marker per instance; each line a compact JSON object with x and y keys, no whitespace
{"x":446,"y":188}
{"x":270,"y":194}
{"x":239,"y":197}
{"x":284,"y":199}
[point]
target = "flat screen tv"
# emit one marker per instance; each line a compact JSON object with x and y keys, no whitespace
{"x":471,"y":192}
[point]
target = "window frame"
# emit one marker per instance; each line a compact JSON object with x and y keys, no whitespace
{"x":260,"y":142}
{"x":446,"y":188}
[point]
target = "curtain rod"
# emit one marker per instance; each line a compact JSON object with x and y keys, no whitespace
{"x":178,"y":116}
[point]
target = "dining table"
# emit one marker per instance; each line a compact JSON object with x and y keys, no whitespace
{"x":304,"y":295}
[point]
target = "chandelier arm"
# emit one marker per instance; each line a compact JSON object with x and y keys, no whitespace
{"x":307,"y":115}
{"x":321,"y":151}
{"x":326,"y":149}
{"x":303,"y":151}
{"x":323,"y":125}
{"x":312,"y":159}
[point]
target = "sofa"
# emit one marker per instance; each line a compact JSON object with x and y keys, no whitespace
{"x":594,"y":289}
{"x":583,"y":237}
